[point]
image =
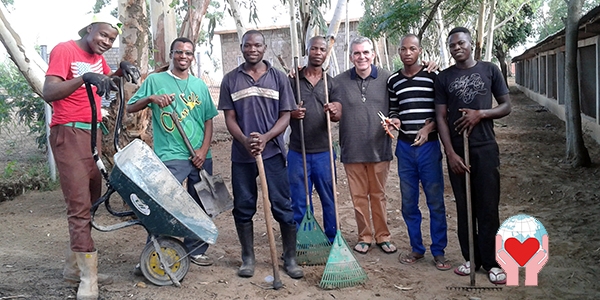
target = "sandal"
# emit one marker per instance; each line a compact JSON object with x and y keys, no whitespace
{"x":441,"y":263}
{"x":464,"y":269}
{"x":497,"y":276}
{"x":410,"y":258}
{"x":362,"y":247}
{"x":387,"y":247}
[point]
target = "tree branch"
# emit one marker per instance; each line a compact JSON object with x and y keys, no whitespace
{"x":429,"y":18}
{"x":511,"y":16}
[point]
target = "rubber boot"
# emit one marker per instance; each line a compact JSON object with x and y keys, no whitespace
{"x":246,"y":235}
{"x":88,"y":266}
{"x":288,"y":239}
{"x":71,"y":271}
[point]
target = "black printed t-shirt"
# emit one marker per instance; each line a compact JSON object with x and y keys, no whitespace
{"x":470,"y":88}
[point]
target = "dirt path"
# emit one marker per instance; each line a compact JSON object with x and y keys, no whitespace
{"x":33,"y":235}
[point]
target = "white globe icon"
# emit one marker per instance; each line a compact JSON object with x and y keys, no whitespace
{"x":522,"y":227}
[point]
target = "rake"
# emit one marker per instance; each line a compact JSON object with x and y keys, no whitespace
{"x":472,"y":287}
{"x":312,"y":245}
{"x":342,"y":268}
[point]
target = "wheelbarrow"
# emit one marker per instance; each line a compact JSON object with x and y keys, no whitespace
{"x":157,"y":200}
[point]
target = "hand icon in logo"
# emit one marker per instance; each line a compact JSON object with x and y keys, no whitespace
{"x":536,"y":263}
{"x":506,"y":262}
{"x":513,"y":254}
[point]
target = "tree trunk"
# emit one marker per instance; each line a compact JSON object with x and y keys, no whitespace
{"x":191,"y":25}
{"x":239,"y":24}
{"x":577,"y":154}
{"x":164,"y":30}
{"x":490,"y":36}
{"x":480,"y":27}
{"x":133,"y":48}
{"x":25,"y":57}
{"x":442,"y":38}
{"x":347,"y":40}
{"x":501,"y":56}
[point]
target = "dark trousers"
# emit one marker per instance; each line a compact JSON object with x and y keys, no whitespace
{"x":245,"y":190}
{"x":485,"y":198}
{"x":183,"y":169}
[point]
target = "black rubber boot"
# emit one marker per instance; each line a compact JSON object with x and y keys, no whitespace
{"x":288,"y":238}
{"x":246,"y":235}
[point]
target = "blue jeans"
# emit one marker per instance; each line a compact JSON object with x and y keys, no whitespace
{"x":245,"y":190}
{"x":423,"y":164}
{"x":318,"y":169}
{"x":183,"y":169}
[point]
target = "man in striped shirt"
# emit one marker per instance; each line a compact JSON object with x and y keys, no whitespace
{"x":418,"y":151}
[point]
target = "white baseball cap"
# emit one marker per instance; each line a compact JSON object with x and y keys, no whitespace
{"x":108,"y":19}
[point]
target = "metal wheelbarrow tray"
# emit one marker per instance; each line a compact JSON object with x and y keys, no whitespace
{"x":163,"y":206}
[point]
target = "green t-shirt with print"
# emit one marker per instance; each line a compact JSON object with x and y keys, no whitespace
{"x":193,"y":105}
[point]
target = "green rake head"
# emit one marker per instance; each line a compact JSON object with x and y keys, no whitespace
{"x":342,"y":269}
{"x":312,"y":246}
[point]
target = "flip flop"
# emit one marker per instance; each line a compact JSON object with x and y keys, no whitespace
{"x":497,"y":276}
{"x":362,"y":247}
{"x":463,"y":270}
{"x":390,"y":247}
{"x":441,"y":263}
{"x":410,"y":258}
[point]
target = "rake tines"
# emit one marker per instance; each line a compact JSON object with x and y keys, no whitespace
{"x":342,"y":269}
{"x":312,"y":246}
{"x":474,"y":288}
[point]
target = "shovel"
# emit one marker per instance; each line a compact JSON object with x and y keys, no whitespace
{"x":212,"y":191}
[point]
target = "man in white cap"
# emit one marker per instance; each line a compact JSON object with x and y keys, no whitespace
{"x":72,"y":64}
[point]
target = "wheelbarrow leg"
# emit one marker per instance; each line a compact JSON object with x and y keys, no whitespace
{"x":163,"y":262}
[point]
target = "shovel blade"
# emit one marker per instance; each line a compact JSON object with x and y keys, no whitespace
{"x":213,"y":193}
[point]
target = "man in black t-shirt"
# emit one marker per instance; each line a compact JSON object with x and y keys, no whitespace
{"x":463,"y":99}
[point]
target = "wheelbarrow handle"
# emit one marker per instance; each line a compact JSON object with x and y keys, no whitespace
{"x":186,"y":140}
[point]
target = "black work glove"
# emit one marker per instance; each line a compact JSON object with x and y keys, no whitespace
{"x":130,"y":72}
{"x":102,"y":82}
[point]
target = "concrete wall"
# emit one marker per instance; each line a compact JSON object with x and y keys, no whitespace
{"x":279,"y":43}
{"x":542,"y":78}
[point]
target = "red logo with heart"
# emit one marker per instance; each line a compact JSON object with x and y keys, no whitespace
{"x":521,"y":252}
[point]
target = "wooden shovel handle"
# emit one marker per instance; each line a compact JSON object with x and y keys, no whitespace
{"x":267,"y":208}
{"x":186,"y":140}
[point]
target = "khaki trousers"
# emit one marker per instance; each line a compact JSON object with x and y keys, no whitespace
{"x":367,"y":189}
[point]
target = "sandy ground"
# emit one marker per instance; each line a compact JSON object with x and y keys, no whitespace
{"x":535,"y":181}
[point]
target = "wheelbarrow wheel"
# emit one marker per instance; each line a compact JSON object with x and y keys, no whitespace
{"x":173,"y":251}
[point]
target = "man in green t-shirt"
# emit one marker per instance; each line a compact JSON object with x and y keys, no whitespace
{"x":177,"y":90}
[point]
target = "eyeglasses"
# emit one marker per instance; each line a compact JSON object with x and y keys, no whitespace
{"x":181,"y":52}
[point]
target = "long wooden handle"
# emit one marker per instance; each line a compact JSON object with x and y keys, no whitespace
{"x":469,"y":209}
{"x":267,"y":208}
{"x":186,"y":140}
{"x":328,"y":116}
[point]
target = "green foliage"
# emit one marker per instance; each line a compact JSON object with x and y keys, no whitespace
{"x":9,"y":169}
{"x":99,"y":5}
{"x":550,"y":20}
{"x":391,"y":17}
{"x":16,"y":95}
{"x":8,"y":2}
{"x":397,"y":63}
{"x":516,"y":31}
{"x":16,"y":178}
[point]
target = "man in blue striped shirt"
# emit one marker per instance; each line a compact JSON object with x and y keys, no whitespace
{"x":418,"y":151}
